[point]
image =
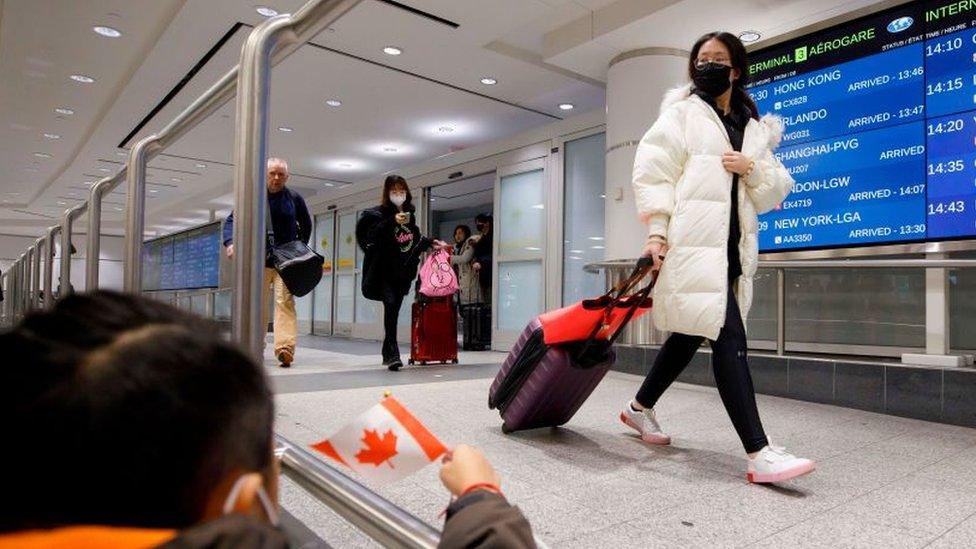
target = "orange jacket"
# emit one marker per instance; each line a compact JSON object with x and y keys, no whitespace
{"x":87,"y":537}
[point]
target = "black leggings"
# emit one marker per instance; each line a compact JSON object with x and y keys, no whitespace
{"x":391,"y":316}
{"x":731,"y":369}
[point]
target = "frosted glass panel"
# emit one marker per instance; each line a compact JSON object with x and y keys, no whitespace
{"x":583,"y":215}
{"x":522,"y":221}
{"x":222,"y":304}
{"x":366,"y":309}
{"x":346,"y":244}
{"x":520,"y":291}
{"x":323,"y":243}
{"x":345,"y":293}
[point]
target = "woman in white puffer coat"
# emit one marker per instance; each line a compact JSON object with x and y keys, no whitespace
{"x":702,"y":173}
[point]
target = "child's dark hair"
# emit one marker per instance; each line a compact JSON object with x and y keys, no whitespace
{"x":119,"y":410}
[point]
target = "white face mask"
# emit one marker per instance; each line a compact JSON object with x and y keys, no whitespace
{"x":235,"y":491}
{"x":398,"y":199}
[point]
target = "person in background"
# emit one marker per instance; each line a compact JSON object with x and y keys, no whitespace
{"x":464,"y":243}
{"x":391,"y":243}
{"x":169,"y":431}
{"x":483,"y":251}
{"x":290,"y":221}
{"x":702,"y":173}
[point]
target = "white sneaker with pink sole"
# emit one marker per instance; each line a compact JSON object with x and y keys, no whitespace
{"x":775,"y":464}
{"x":644,"y":422}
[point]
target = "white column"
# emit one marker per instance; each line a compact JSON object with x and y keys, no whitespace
{"x":636,"y":83}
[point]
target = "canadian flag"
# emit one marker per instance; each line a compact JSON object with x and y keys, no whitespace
{"x":384,"y":444}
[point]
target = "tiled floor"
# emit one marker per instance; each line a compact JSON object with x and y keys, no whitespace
{"x":882,"y":481}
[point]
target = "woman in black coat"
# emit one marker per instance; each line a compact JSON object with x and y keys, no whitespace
{"x":391,"y":243}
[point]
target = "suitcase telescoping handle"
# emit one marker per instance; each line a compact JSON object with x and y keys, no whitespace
{"x":644,"y":266}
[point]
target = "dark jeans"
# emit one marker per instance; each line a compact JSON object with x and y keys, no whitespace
{"x":731,"y":368}
{"x":391,"y":314}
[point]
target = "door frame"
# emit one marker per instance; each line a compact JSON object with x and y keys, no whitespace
{"x":504,"y":339}
{"x":330,"y":255}
{"x":558,"y":221}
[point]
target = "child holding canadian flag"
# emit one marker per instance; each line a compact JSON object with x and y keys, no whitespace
{"x":387,"y":443}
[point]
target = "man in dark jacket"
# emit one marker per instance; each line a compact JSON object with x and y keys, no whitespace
{"x":290,"y":221}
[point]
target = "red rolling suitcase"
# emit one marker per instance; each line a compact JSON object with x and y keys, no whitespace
{"x":433,"y":331}
{"x":542,"y":384}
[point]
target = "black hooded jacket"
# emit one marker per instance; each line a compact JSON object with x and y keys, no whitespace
{"x":391,"y":252}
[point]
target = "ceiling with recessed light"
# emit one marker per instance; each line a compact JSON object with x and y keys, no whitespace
{"x":383,"y":89}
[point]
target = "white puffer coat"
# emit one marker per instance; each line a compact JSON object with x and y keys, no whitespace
{"x":682,"y":193}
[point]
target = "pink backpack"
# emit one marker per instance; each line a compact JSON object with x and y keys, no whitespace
{"x":437,"y":277}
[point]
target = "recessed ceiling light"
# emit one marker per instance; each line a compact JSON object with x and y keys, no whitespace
{"x":42,"y":155}
{"x":566,"y":106}
{"x":345,"y":165}
{"x":154,"y":191}
{"x":392,"y":50}
{"x":445,"y":129}
{"x":266,"y":11}
{"x":107,"y":31}
{"x":201,"y":166}
{"x":64,"y":110}
{"x":285,"y":129}
{"x":82,"y":78}
{"x":330,"y":185}
{"x":104,"y":170}
{"x":333,"y":103}
{"x":52,"y":136}
{"x":118,"y":209}
{"x":750,"y":36}
{"x":175,"y":179}
{"x":62,"y":203}
{"x":122,"y":153}
{"x":489,"y":81}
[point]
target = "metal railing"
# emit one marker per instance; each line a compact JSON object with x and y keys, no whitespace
{"x":625,"y":265}
{"x":267,"y":45}
{"x":383,"y":521}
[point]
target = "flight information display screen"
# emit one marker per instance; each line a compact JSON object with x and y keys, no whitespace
{"x":880,"y":134}
{"x":182,"y":261}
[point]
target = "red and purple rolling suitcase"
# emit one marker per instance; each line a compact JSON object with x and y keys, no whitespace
{"x":433,"y":331}
{"x":543,"y":385}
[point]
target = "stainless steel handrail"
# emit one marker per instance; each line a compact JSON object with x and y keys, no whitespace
{"x":380,"y":519}
{"x":782,"y":265}
{"x":67,"y":228}
{"x":35,"y":296}
{"x":48,"y":274}
{"x":140,"y":156}
{"x":268,"y":44}
{"x":93,"y":247}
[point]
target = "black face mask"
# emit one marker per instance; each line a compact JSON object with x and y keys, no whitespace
{"x":713,"y":78}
